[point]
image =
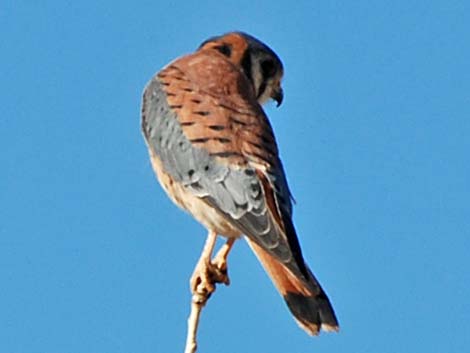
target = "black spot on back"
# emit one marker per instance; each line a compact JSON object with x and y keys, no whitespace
{"x":225,"y":49}
{"x":199,"y":140}
{"x":201,"y":112}
{"x":216,"y":127}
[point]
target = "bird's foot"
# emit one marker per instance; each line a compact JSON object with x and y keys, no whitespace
{"x":221,"y":270}
{"x":201,"y":283}
{"x":205,"y":276}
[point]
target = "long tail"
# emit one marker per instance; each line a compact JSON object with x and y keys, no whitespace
{"x":306,"y":299}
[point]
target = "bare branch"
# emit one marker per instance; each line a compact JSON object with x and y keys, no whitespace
{"x":197,"y":303}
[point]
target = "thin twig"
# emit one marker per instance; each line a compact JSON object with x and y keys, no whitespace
{"x":197,"y":303}
{"x":202,"y":287}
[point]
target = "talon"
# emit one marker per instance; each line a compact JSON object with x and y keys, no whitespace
{"x":220,"y":273}
{"x":221,"y":270}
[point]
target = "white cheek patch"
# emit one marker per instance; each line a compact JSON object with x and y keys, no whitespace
{"x":264,"y":98}
{"x":257,"y":80}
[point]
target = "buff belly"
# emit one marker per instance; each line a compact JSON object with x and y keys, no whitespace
{"x":205,"y":214}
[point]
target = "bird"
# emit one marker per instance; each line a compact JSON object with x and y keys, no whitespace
{"x":214,"y":153}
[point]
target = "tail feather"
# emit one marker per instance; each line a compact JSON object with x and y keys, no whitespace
{"x":305,"y":299}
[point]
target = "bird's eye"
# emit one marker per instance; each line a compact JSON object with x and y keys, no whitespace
{"x":268,"y":68}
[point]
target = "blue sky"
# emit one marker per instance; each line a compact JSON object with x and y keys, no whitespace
{"x":374,"y":135}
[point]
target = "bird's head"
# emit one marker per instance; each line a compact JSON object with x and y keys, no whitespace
{"x":259,"y":63}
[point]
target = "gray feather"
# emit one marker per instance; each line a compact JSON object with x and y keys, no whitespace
{"x":234,"y":191}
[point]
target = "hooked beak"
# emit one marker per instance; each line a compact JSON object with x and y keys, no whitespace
{"x":278,"y":95}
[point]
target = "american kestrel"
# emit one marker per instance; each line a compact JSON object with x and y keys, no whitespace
{"x":214,"y":153}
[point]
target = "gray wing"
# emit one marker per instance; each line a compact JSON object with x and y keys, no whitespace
{"x":234,"y":191}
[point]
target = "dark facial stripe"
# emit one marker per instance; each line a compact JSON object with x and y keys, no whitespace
{"x":246,"y":65}
{"x":262,"y":88}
